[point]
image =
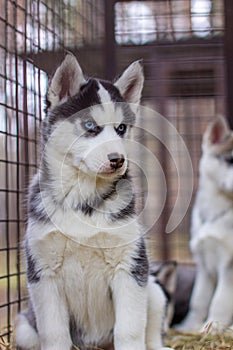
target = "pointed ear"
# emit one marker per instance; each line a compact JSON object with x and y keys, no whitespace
{"x":167,"y":276}
{"x":130,"y":83}
{"x":66,"y":81}
{"x":216,"y":132}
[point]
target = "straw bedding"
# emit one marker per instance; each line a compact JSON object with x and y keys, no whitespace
{"x":178,"y":341}
{"x":200,"y":341}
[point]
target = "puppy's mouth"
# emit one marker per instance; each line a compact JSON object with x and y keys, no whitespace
{"x":111,"y":172}
{"x":104,"y":170}
{"x":107,"y":171}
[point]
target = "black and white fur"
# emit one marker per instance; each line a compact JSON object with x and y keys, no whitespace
{"x":165,"y":276}
{"x":211,"y":233}
{"x":87,"y":266}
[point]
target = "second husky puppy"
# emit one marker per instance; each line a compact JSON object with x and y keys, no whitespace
{"x":212,"y":232}
{"x":87,"y":265}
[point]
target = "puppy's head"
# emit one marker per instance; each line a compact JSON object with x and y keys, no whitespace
{"x":217,"y":158}
{"x":88,"y":120}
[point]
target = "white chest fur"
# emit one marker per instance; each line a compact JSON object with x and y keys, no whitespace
{"x":84,"y":275}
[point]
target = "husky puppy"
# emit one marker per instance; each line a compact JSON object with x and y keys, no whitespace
{"x":211,"y":233}
{"x":87,"y":266}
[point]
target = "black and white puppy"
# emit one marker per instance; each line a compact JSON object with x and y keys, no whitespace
{"x":211,"y":303}
{"x":87,"y":266}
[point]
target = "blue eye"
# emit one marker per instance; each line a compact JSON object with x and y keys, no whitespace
{"x":92,"y":129}
{"x":89,"y":125}
{"x":121,"y":129}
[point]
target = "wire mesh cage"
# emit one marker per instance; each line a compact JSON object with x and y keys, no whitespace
{"x":182,"y":44}
{"x":170,"y":21}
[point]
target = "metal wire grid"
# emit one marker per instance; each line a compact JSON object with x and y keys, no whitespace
{"x":20,"y":102}
{"x":26,"y":27}
{"x":167,"y":20}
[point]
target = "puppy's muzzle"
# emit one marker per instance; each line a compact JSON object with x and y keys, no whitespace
{"x":116,"y":160}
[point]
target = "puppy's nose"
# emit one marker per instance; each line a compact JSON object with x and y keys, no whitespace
{"x":116,"y":160}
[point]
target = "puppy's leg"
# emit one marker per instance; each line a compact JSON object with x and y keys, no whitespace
{"x":130,"y":304}
{"x":156,"y":309}
{"x":155,"y":317}
{"x":51,"y":314}
{"x":221,"y":308}
{"x":200,"y":301}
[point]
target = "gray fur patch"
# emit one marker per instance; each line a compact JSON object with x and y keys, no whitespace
{"x":89,"y":207}
{"x":76,"y":335}
{"x":33,"y":275}
{"x":35,"y":209}
{"x":126,"y":212}
{"x":30,"y":315}
{"x":140,"y":267}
